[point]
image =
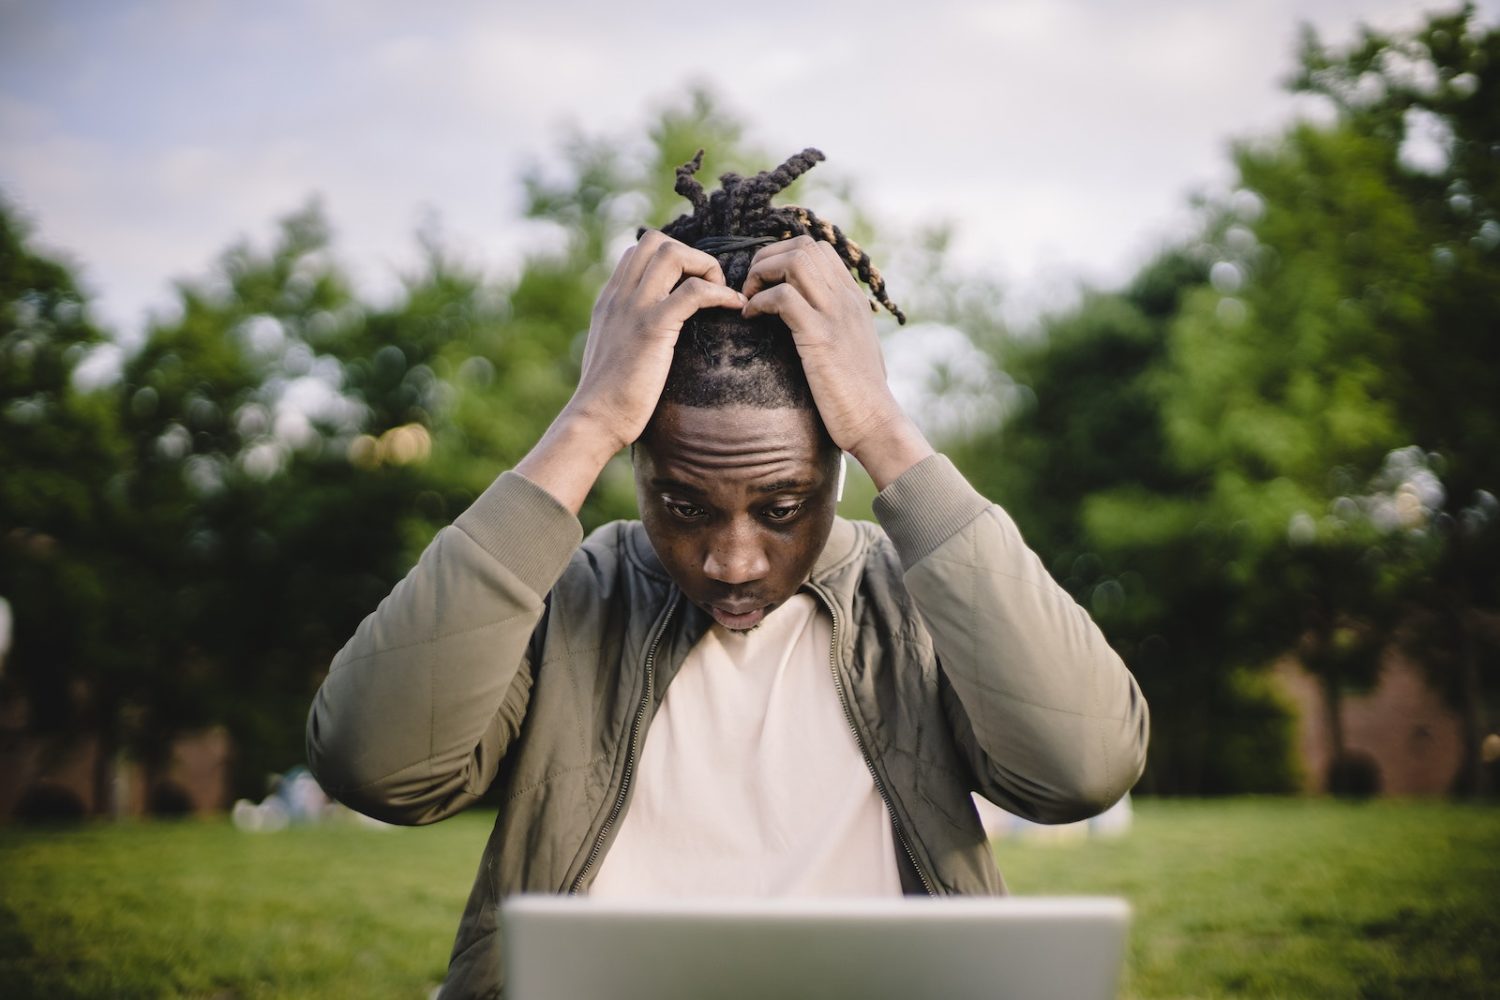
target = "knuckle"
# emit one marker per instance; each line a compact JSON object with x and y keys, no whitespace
{"x":671,"y":244}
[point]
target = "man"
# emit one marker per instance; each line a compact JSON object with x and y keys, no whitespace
{"x":741,"y":693}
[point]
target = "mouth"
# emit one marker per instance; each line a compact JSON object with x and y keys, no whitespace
{"x":738,"y":618}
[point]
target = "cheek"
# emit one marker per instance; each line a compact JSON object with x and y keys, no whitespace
{"x":681,"y":560}
{"x":676,"y":549}
{"x":802,"y":547}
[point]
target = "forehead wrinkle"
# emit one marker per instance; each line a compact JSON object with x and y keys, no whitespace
{"x":732,"y":447}
{"x":693,"y":453}
{"x":782,"y":467}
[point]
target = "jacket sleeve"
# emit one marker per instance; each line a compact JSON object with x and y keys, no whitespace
{"x":419,"y":706}
{"x":1053,"y":723}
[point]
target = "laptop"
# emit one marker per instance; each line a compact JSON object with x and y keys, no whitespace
{"x":576,"y":948}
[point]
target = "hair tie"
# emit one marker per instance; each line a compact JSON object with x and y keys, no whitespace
{"x":718,"y":245}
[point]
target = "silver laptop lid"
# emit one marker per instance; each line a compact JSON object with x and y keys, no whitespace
{"x":575,"y":948}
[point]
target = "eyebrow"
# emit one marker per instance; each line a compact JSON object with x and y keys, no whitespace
{"x":673,"y":485}
{"x":786,"y":486}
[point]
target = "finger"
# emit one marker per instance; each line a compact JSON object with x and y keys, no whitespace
{"x":640,"y":255}
{"x":839,"y":273}
{"x":812,"y":245}
{"x":616,"y":277}
{"x":692,"y":297}
{"x":785,"y":246}
{"x":776,"y":250}
{"x":787,"y":303}
{"x":802,"y":266}
{"x":670,"y":263}
{"x":694,"y":294}
{"x":831,"y":255}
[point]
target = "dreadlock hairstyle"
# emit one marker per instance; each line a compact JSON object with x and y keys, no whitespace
{"x":723,"y":358}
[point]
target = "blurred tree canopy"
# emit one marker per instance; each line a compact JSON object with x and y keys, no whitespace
{"x":59,"y":449}
{"x":191,"y":543}
{"x":1279,"y":437}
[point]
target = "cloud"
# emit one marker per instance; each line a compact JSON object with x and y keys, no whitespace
{"x":1057,"y":134}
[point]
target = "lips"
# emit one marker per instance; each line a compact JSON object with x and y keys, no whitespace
{"x":738,"y":617}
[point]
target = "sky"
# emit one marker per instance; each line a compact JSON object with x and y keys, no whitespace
{"x":1064,"y":139}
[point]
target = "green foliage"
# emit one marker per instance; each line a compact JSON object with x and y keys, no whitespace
{"x":58,"y":446}
{"x":1087,"y":474}
{"x":1279,"y":436}
{"x":1331,"y":382}
{"x":1282,"y":437}
{"x":191,"y":543}
{"x":257,"y":545}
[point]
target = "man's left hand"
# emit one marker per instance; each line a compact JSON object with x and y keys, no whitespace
{"x":805,"y":283}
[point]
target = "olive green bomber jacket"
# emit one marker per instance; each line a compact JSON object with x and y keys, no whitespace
{"x":512,"y":654}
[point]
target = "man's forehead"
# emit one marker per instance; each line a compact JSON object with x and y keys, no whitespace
{"x":687,"y":442}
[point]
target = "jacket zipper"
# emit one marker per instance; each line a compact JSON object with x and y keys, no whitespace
{"x":632,"y":754}
{"x":885,"y":796}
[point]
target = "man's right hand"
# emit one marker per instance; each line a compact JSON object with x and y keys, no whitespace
{"x":658,"y":284}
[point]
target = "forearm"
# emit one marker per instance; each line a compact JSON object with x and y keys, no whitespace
{"x":419,"y":704}
{"x":1057,"y":719}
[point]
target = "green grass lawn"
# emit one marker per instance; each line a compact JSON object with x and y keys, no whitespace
{"x":1261,"y":898}
{"x":1294,"y":897}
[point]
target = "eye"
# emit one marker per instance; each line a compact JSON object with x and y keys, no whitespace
{"x":683,"y":511}
{"x":783,"y":512}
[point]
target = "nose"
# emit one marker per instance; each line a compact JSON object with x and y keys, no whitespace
{"x":735,"y":555}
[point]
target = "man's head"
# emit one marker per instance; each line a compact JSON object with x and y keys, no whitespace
{"x":736,"y":476}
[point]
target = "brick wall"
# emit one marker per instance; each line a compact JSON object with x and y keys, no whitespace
{"x":1414,"y":740}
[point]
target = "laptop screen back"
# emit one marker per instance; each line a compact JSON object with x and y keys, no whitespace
{"x":575,"y":948}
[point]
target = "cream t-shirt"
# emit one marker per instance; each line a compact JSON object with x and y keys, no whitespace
{"x":750,"y":782}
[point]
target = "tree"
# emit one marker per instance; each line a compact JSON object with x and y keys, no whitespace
{"x":1328,"y":374}
{"x":1282,"y":438}
{"x":1084,"y":467}
{"x":254,"y":541}
{"x":61,"y":449}
{"x":1431,"y":100}
{"x":1372,"y":303}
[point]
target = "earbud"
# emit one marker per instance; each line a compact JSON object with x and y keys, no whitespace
{"x":843,"y":471}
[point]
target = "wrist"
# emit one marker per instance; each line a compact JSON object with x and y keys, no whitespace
{"x":596,"y":435}
{"x":569,"y":457}
{"x":895,"y":447}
